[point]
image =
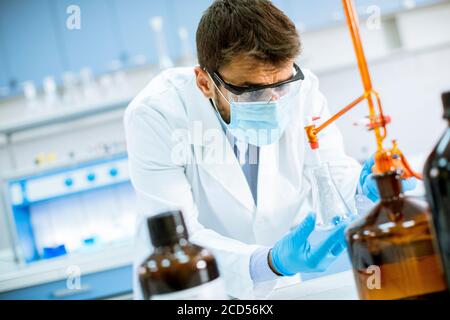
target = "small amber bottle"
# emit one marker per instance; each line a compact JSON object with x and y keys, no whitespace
{"x":178,"y":269}
{"x":392,"y":248}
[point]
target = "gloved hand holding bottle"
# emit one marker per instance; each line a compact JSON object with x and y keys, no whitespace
{"x":294,"y":253}
{"x":369,"y":187}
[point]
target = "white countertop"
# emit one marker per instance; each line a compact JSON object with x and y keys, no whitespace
{"x":339,"y":286}
{"x":15,"y":276}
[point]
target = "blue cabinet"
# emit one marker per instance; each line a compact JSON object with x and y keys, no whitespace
{"x":96,"y":44}
{"x":29,"y":43}
{"x":35,"y":41}
{"x":4,"y":72}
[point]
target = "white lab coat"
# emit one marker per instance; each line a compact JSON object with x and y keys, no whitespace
{"x":214,"y":196}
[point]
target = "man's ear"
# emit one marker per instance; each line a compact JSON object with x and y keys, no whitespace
{"x":204,"y":82}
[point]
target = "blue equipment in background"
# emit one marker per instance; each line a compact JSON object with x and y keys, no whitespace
{"x":72,"y":211}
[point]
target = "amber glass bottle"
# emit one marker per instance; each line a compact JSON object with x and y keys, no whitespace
{"x":178,"y":269}
{"x":392,"y":248}
{"x":437,"y":183}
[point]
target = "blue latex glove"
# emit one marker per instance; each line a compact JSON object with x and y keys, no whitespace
{"x":293,"y":253}
{"x":369,"y":186}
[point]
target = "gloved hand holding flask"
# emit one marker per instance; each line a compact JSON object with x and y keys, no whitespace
{"x":294,"y":253}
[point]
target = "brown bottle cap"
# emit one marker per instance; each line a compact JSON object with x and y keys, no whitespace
{"x":167,"y":228}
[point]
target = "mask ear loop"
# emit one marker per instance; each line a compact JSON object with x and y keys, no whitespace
{"x":220,"y":92}
{"x":211,"y":100}
{"x":213,"y":103}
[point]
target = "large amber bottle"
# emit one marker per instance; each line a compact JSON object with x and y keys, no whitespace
{"x":393,"y":250}
{"x":437,"y":182}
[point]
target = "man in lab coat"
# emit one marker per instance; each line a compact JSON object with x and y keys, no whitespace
{"x":225,"y":143}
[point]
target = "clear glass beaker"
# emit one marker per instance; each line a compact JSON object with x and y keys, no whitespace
{"x":327,"y":202}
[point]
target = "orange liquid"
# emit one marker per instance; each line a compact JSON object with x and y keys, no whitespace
{"x":413,"y":278}
{"x":392,"y":248}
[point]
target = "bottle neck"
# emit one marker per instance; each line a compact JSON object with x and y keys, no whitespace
{"x":389,"y":186}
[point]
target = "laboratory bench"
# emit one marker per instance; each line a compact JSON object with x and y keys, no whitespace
{"x":336,"y":283}
{"x":108,"y":275}
{"x":339,"y":286}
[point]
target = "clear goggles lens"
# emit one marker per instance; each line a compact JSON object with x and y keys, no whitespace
{"x":267,"y":95}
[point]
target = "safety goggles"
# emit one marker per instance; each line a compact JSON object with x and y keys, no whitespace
{"x":264,"y":93}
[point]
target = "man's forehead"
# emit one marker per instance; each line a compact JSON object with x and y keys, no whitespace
{"x":248,"y":71}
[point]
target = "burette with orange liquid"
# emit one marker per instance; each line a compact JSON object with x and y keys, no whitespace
{"x":392,"y":247}
{"x":386,"y":160}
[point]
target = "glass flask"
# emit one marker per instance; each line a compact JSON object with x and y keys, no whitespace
{"x":328,"y":203}
{"x":437,"y":183}
{"x":392,"y":248}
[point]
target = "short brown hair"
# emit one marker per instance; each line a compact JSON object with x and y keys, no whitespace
{"x":253,"y":28}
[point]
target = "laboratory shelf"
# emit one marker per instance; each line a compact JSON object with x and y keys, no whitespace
{"x":395,"y":54}
{"x":60,"y":166}
{"x":61,"y":115}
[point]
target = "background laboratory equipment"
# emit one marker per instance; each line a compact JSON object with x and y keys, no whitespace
{"x":156,"y":24}
{"x":71,"y":93}
{"x":88,"y":84}
{"x":437,"y":182}
{"x":187,"y":57}
{"x":29,"y":90}
{"x":51,"y":92}
{"x":392,"y":248}
{"x":76,"y":215}
{"x":178,"y":269}
{"x":68,"y":210}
